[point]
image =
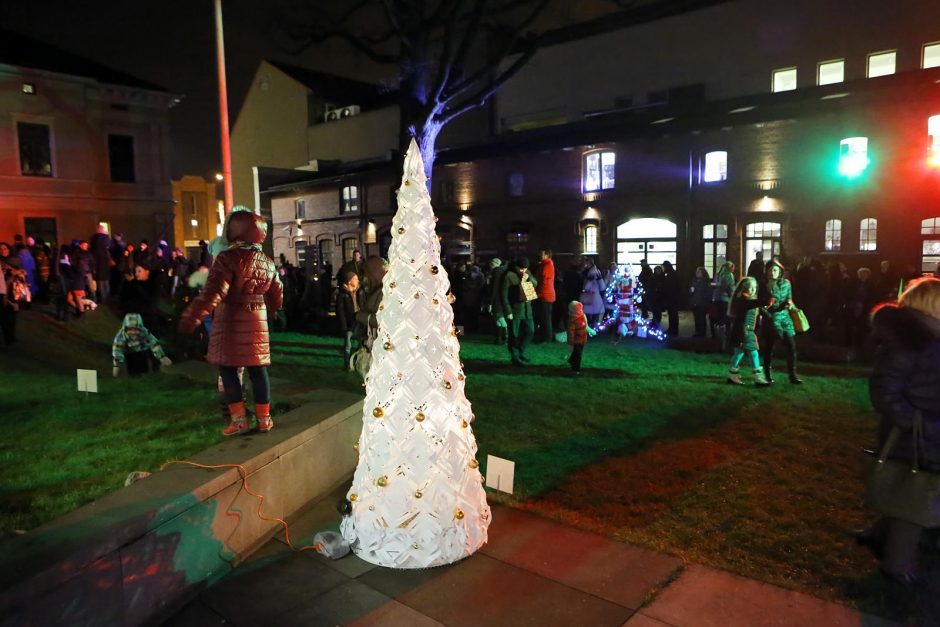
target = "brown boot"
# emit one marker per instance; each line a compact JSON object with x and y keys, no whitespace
{"x":238,"y":421}
{"x":263,"y":414}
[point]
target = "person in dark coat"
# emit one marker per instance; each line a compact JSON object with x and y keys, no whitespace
{"x":653,"y":294}
{"x":100,"y":247}
{"x":347,"y":306}
{"x":241,"y":289}
{"x":498,"y":272}
{"x":701,"y":291}
{"x":672,"y":292}
{"x":643,"y":279}
{"x":757,"y":267}
{"x":905,"y":380}
{"x":517,"y":303}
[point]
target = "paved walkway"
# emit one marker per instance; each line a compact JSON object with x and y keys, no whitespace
{"x":531,"y":572}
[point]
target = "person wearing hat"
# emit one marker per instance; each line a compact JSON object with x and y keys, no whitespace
{"x":241,"y":289}
{"x":498,"y":269}
{"x":777,"y":324}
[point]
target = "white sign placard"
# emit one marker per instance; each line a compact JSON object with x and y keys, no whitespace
{"x":499,"y":473}
{"x":88,"y":381}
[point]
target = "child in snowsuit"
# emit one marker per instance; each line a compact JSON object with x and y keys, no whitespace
{"x":133,"y":345}
{"x":578,"y":332}
{"x":744,"y":308}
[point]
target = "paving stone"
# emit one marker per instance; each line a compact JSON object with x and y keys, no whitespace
{"x":703,"y":597}
{"x":356,"y":604}
{"x":257,"y":592}
{"x":481,"y":590}
{"x":620,"y":573}
{"x":195,"y":615}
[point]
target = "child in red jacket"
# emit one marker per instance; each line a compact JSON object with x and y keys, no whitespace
{"x":578,"y":332}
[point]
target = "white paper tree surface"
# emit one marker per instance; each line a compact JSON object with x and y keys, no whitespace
{"x":417,"y":495}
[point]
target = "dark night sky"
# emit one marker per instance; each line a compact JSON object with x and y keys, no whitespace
{"x":170,"y":43}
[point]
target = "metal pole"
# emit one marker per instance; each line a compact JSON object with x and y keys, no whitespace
{"x":223,"y":109}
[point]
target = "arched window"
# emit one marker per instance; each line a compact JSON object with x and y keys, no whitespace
{"x":598,"y":170}
{"x":833,"y":235}
{"x":868,"y":234}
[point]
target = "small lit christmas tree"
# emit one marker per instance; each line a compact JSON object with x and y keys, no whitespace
{"x":417,"y":495}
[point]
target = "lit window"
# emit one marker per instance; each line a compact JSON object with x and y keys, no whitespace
{"x":350,"y":199}
{"x":715,"y":241}
{"x":931,"y":56}
{"x":853,"y":156}
{"x":830,"y":72}
{"x":933,"y":141}
{"x":833,"y":235}
{"x":716,"y":167}
{"x":29,"y":89}
{"x":784,"y":79}
{"x":868,"y":235}
{"x":762,"y":229}
{"x":350,"y":245}
{"x":599,"y":171}
{"x":930,"y":226}
{"x":590,"y":239}
{"x":882,"y":63}
{"x":300,"y":209}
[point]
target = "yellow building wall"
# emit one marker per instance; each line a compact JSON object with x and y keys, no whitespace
{"x":269,"y":131}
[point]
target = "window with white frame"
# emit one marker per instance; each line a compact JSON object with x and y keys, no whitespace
{"x":715,"y":243}
{"x":598,"y":170}
{"x":716,"y":167}
{"x":882,"y":63}
{"x":930,"y":248}
{"x":349,"y":201}
{"x":300,"y":209}
{"x":590,"y":239}
{"x":833,"y":236}
{"x":300,"y":247}
{"x":829,"y":72}
{"x":931,"y":55}
{"x":784,"y":79}
{"x":853,"y":156}
{"x":868,"y":235}
{"x":933,"y":141}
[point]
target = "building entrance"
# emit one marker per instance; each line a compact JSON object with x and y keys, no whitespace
{"x":764,"y":237}
{"x":653,"y":239}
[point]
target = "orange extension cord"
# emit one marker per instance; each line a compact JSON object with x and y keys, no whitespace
{"x":260,"y":497}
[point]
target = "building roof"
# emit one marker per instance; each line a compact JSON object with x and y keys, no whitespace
{"x":338,"y":89}
{"x":21,"y":51}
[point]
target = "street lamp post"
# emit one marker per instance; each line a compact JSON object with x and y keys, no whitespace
{"x":223,"y":108}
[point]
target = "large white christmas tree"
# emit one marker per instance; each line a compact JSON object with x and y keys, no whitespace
{"x":417,"y":495}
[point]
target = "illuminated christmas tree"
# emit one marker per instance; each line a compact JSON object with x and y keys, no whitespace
{"x":417,"y":496}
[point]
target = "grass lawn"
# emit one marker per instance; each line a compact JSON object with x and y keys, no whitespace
{"x":648,"y":446}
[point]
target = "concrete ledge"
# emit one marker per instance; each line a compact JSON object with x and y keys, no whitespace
{"x":137,"y":553}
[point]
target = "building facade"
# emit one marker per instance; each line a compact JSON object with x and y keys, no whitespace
{"x":82,"y":145}
{"x":800,"y":132}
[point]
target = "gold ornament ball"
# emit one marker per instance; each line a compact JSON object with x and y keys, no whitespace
{"x":458,"y":514}
{"x":434,"y":300}
{"x":460,"y":377}
{"x":353,"y":497}
{"x":381,"y":307}
{"x":393,"y":285}
{"x":401,"y":230}
{"x":407,"y":182}
{"x":419,"y":417}
{"x":451,"y":298}
{"x":463,"y":424}
{"x":474,"y":463}
{"x":417,"y":295}
{"x":418,"y":494}
{"x":356,"y":446}
{"x":434,"y":270}
{"x":447,"y":385}
{"x":382,"y":481}
{"x":378,"y":412}
{"x":387,"y":346}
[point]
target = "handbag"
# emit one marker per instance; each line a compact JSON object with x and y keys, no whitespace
{"x":799,"y":319}
{"x":902,"y":489}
